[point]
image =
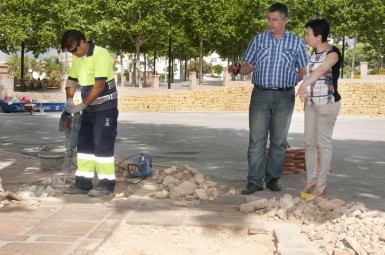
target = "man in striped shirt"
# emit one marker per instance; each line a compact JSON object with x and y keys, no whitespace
{"x":278,"y":61}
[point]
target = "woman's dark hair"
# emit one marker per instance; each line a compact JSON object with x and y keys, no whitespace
{"x":72,"y":37}
{"x":281,"y":8}
{"x":319,"y":27}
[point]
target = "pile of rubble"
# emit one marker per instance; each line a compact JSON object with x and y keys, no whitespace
{"x":336,"y":226}
{"x":31,"y":194}
{"x":184,"y":183}
{"x":6,"y":197}
{"x":176,"y":183}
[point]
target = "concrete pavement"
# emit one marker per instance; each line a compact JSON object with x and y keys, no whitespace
{"x":213,"y":143}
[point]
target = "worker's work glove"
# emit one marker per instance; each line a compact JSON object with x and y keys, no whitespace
{"x":69,"y":105}
{"x":78,"y":108}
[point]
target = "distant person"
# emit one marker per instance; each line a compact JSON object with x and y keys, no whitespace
{"x":38,"y":84}
{"x":319,"y":90}
{"x":92,"y":68}
{"x":274,"y":57}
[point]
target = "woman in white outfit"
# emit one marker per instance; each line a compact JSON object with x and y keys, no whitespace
{"x":319,"y":91}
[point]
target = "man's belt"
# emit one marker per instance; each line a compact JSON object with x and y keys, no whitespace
{"x":106,"y":98}
{"x":273,"y":89}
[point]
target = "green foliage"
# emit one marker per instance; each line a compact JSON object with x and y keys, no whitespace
{"x":13,"y":65}
{"x":363,"y":53}
{"x":196,"y":27}
{"x":217,"y":69}
{"x":243,"y":20}
{"x":48,"y":65}
{"x":51,"y":67}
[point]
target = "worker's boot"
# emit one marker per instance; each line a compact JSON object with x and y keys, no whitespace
{"x":99,"y":191}
{"x":82,"y":186}
{"x":104,"y":187}
{"x":74,"y":190}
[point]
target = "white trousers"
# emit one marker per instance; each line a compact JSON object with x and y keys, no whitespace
{"x":319,"y":125}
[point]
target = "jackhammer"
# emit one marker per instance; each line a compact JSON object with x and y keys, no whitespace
{"x":70,"y":125}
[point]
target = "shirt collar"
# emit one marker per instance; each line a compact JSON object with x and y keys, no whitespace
{"x":91,"y":49}
{"x":284,"y":34}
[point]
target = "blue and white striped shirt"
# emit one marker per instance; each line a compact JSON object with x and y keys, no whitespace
{"x":275,"y":62}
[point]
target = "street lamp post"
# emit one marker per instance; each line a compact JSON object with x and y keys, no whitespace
{"x":22,"y":65}
{"x":22,"y":57}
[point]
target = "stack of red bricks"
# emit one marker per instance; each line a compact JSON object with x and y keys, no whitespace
{"x":295,"y":161}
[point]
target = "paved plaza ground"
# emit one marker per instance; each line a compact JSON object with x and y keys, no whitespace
{"x":214,"y":143}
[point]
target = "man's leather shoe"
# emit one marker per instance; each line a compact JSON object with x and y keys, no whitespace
{"x":251,"y":188}
{"x":273,"y":186}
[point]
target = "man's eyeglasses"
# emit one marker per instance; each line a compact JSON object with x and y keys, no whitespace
{"x":74,"y":49}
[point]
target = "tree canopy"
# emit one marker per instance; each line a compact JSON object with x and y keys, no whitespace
{"x":196,"y":27}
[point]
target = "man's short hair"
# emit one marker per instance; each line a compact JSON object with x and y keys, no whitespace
{"x":281,"y":8}
{"x":72,"y":37}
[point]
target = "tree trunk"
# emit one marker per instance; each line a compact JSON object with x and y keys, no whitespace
{"x":181,"y":72}
{"x":200,"y":59}
{"x":353,"y":55}
{"x":121,"y":70}
{"x":145,"y":70}
{"x":185,"y":69}
{"x":138,"y":76}
{"x":172,"y":68}
{"x":380,"y":58}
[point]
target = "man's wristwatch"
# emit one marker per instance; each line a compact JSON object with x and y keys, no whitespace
{"x":238,"y":68}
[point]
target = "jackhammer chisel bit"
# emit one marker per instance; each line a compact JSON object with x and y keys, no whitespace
{"x":70,"y":125}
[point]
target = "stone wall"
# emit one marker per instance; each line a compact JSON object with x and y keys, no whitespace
{"x":219,"y":99}
{"x":358,"y":98}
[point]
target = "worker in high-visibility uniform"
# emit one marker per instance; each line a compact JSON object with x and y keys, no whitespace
{"x":92,"y":69}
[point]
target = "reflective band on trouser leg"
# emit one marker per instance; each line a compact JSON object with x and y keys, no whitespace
{"x":86,"y":165}
{"x":105,"y":167}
